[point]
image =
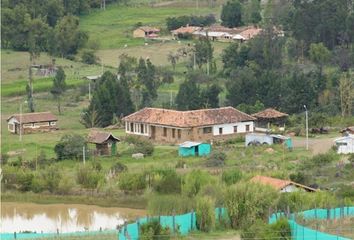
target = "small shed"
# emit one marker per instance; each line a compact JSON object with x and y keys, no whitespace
{"x":106,"y":143}
{"x":188,"y":148}
{"x":32,"y":122}
{"x":269,"y":117}
{"x":345,"y":145}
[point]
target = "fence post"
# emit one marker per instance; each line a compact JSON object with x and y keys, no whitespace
{"x":220,"y":212}
{"x":138,"y":224}
{"x":15,"y":235}
{"x":192,"y":220}
{"x":174,"y":222}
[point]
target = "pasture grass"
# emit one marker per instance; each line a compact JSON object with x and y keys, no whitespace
{"x":113,"y":28}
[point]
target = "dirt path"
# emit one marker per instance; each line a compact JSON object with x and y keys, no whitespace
{"x":317,"y":146}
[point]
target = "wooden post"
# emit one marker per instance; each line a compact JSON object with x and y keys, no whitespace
{"x":192,"y":215}
{"x":15,"y":235}
{"x":174,"y":221}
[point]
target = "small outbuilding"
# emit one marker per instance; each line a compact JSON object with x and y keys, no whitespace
{"x":32,"y":122}
{"x":268,"y":118}
{"x":345,"y":145}
{"x":188,"y":148}
{"x":146,"y":32}
{"x":106,"y":143}
{"x":348,"y":130}
{"x":282,"y":185}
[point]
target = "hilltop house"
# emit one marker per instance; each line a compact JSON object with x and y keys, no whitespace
{"x":282,"y":185}
{"x":171,"y":126}
{"x":106,"y":143}
{"x":146,"y":32}
{"x":32,"y":122}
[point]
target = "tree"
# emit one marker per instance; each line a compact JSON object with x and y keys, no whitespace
{"x":210,"y":96}
{"x":188,"y":96}
{"x":70,"y":147}
{"x":173,"y":59}
{"x":203,"y":52}
{"x":68,"y":37}
{"x":252,"y":12}
{"x":55,"y":11}
{"x":346,"y":90}
{"x":231,"y":14}
{"x":320,"y":55}
{"x":29,"y":90}
{"x":234,"y":56}
{"x":89,"y":57}
{"x":59,"y":86}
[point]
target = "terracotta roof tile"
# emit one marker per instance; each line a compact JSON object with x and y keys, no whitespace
{"x":187,"y":29}
{"x":185,"y":119}
{"x":100,"y":137}
{"x":34,"y":117}
{"x":250,"y":33}
{"x":279,"y":184}
{"x":149,"y":29}
{"x":269,"y":113}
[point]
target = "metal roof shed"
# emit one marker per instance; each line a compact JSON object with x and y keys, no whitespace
{"x":194,"y":149}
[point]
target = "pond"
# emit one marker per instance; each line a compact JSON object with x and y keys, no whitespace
{"x":50,"y":218}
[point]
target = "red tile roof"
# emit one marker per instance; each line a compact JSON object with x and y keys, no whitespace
{"x":149,"y":29}
{"x":250,"y":33}
{"x":269,"y":113}
{"x":184,"y":30}
{"x":100,"y":137}
{"x":279,"y":184}
{"x":185,"y":119}
{"x":34,"y":117}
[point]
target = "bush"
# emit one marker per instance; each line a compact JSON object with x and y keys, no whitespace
{"x":140,"y":145}
{"x":261,"y":230}
{"x":88,"y":177}
{"x":194,"y":181}
{"x":169,"y":204}
{"x":181,"y":163}
{"x":167,"y":182}
{"x":132,"y":182}
{"x":231,"y":176}
{"x":38,"y":184}
{"x":89,"y":57}
{"x":299,"y":177}
{"x":205,"y":214}
{"x":118,"y":168}
{"x":65,"y":185}
{"x":25,"y":180}
{"x":214,"y":191}
{"x":216,"y":159}
{"x":153,"y":230}
{"x":96,"y":165}
{"x":51,"y":177}
{"x":4,"y":158}
{"x":70,"y":147}
{"x":246,"y":202}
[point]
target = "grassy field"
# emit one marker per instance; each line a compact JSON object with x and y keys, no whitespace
{"x":114,"y":27}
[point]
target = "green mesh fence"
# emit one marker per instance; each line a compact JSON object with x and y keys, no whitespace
{"x":300,"y":232}
{"x":179,"y":224}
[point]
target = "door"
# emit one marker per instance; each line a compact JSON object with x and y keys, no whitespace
{"x":153,"y":132}
{"x":114,"y":148}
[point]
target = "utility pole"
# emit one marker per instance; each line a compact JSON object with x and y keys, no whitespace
{"x":307,"y":127}
{"x":89,"y":90}
{"x":21,"y":122}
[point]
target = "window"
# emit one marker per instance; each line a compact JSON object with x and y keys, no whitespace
{"x":235,"y":129}
{"x":142,"y":128}
{"x":173,"y":133}
{"x":132,"y":127}
{"x":165,"y":132}
{"x":179,"y":133}
{"x":247,"y":128}
{"x":52,"y":123}
{"x":220,"y":131}
{"x":207,"y":130}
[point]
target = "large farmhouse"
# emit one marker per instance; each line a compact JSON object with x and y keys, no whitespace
{"x":171,"y":126}
{"x":32,"y":122}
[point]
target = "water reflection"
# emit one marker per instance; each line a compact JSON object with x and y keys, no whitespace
{"x":17,"y":217}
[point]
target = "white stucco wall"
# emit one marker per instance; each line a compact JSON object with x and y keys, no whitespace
{"x":290,"y":188}
{"x":137,"y":129}
{"x":346,"y":149}
{"x":12,"y":122}
{"x":229,"y":128}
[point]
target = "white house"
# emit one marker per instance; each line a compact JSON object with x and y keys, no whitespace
{"x":345,"y":144}
{"x":171,"y":126}
{"x":32,"y":122}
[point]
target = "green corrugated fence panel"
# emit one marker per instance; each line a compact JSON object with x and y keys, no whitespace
{"x":300,"y":232}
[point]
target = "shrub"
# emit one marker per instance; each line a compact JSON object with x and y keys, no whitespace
{"x":153,"y":230}
{"x":38,"y":184}
{"x":194,"y":181}
{"x":216,"y":159}
{"x":4,"y":158}
{"x":261,"y":230}
{"x":169,"y":204}
{"x":89,"y":57}
{"x":231,"y":176}
{"x":167,"y":182}
{"x":51,"y":177}
{"x":96,"y":165}
{"x":181,"y":163}
{"x":214,"y":191}
{"x":24,"y":180}
{"x":140,"y":145}
{"x":299,"y":177}
{"x":246,"y":202}
{"x":88,"y":177}
{"x":132,"y":182}
{"x":118,"y":167}
{"x":65,"y":185}
{"x":70,"y":147}
{"x":205,"y":214}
